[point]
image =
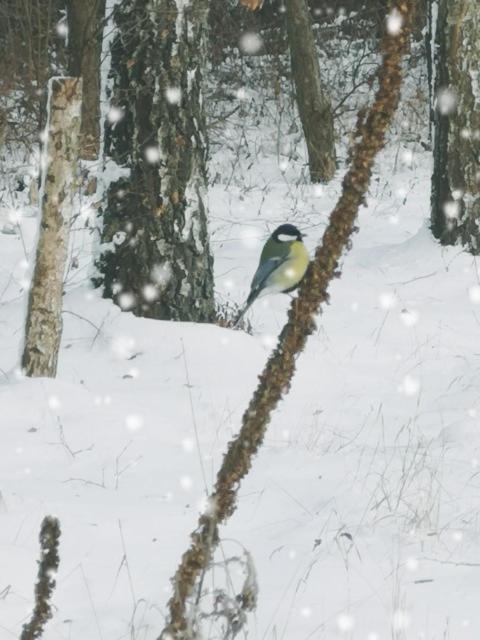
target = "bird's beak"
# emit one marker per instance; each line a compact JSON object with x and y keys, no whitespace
{"x":304,"y":235}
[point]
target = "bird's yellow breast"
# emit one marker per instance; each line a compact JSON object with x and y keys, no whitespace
{"x":290,"y":272}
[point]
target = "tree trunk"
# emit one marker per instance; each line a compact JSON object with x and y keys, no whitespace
{"x":43,"y":329}
{"x":314,"y":105}
{"x":455,"y":202}
{"x":156,"y":259}
{"x":85,"y":28}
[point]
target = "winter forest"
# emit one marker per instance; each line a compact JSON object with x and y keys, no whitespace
{"x":239,"y":319}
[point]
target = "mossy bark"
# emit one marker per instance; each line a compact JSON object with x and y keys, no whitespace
{"x":156,"y":259}
{"x":455,"y":201}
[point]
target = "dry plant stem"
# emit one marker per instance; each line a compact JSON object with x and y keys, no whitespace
{"x":276,"y":378}
{"x":47,"y":568}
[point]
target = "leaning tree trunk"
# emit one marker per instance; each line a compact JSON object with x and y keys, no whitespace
{"x":43,"y":329}
{"x":314,"y":106}
{"x":156,"y":259}
{"x":455,"y":203}
{"x":85,"y":28}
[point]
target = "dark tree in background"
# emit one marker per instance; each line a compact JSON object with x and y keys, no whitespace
{"x":455,"y":203}
{"x":156,"y":259}
{"x":313,"y":102}
{"x":85,"y":30}
{"x":32,"y":48}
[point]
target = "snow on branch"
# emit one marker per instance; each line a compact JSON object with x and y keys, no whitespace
{"x":276,"y":378}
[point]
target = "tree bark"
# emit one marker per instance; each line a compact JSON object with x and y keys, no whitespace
{"x":85,"y":28}
{"x":43,"y":329}
{"x":157,"y":259}
{"x":314,"y":106}
{"x":455,"y":201}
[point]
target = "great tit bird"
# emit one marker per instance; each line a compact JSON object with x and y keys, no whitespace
{"x":283,"y":263}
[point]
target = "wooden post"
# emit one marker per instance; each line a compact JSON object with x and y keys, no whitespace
{"x":43,"y":329}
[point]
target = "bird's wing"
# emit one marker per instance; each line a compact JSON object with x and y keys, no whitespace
{"x":262,"y":274}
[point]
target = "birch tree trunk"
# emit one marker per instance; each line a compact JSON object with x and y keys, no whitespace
{"x":43,"y":329}
{"x":85,"y":29}
{"x":157,"y":261}
{"x":314,"y":106}
{"x":455,"y":202}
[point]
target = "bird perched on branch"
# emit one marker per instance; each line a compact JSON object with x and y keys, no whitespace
{"x":283,"y":263}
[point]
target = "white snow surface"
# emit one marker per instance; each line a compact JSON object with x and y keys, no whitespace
{"x":361,"y":512}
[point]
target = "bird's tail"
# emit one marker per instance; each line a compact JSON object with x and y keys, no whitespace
{"x":242,"y":312}
{"x":250,"y":300}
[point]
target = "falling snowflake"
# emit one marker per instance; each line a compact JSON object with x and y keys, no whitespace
{"x":451,"y":209}
{"x":251,"y":237}
{"x":126,"y":301}
{"x":186,"y":483}
{"x":150,"y":292}
{"x":115,"y":114}
{"x":54,"y":403}
{"x":394,"y":22}
{"x":387,"y":300}
{"x":410,"y":386}
{"x":345,"y":622}
{"x":173,"y":95}
{"x":152,"y":154}
{"x":474,"y":294}
{"x":400,"y":620}
{"x":447,"y":100}
{"x":62,"y":29}
{"x":161,"y":274}
{"x":123,"y":347}
{"x":250,"y":43}
{"x":134,"y":422}
{"x":188,"y":444}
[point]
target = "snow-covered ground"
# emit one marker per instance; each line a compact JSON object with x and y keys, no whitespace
{"x":361,"y":511}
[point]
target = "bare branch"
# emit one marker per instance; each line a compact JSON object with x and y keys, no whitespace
{"x":47,"y":569}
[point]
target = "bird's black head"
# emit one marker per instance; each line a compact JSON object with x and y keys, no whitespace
{"x":287,"y":233}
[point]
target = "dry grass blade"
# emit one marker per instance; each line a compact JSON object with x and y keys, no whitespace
{"x":276,"y":378}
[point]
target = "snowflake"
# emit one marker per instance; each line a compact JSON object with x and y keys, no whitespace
{"x":250,"y":43}
{"x":186,"y":483}
{"x":115,"y":114}
{"x":173,"y":95}
{"x":150,"y":292}
{"x":451,"y":209}
{"x":400,"y":620}
{"x":126,"y":301}
{"x":134,"y":422}
{"x":250,"y":237}
{"x":394,"y":22}
{"x":152,"y":154}
{"x":410,"y":386}
{"x":387,"y":300}
{"x":62,"y":29}
{"x":447,"y":100}
{"x":345,"y":622}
